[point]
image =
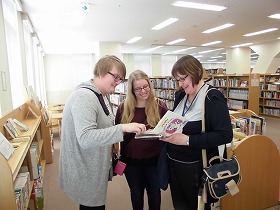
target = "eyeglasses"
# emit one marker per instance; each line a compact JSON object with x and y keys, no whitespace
{"x":182,"y":79}
{"x":117,"y":78}
{"x":139,"y":89}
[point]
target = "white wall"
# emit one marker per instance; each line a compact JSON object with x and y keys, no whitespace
{"x":64,"y":72}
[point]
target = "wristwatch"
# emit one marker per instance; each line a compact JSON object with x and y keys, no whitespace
{"x":188,"y":141}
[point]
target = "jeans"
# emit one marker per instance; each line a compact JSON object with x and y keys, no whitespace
{"x":185,"y":180}
{"x":139,"y":178}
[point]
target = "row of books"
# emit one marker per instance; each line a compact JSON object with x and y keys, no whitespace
{"x":220,"y":82}
{"x":165,"y":93}
{"x":122,"y":87}
{"x":250,"y":125}
{"x":22,"y":189}
{"x":169,"y":83}
{"x":272,"y":103}
{"x":235,"y":104}
{"x":274,"y":112}
{"x":14,"y":127}
{"x":274,"y":87}
{"x":236,"y":82}
{"x":240,"y":94}
{"x":273,"y":95}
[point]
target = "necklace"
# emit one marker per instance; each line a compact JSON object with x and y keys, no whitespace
{"x":187,"y":108}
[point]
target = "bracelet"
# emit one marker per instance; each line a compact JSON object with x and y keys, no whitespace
{"x":188,"y":141}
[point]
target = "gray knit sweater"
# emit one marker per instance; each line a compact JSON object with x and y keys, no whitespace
{"x":85,"y":151}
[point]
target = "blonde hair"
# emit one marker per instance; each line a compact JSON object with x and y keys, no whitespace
{"x":152,"y":104}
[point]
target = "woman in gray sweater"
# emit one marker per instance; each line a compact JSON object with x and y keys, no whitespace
{"x":88,"y":132}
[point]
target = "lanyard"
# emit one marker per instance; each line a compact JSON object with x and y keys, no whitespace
{"x":186,"y":109}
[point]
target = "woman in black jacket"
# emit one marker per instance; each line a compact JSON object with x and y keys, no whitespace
{"x":185,"y":148}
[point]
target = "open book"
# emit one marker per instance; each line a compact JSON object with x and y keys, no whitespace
{"x":169,"y":124}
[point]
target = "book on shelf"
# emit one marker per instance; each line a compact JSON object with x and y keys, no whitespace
{"x":6,"y":148}
{"x":21,"y":126}
{"x":12,"y":128}
{"x":169,"y":124}
{"x":46,"y":115}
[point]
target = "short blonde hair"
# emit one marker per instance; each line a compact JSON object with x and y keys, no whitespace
{"x":106,"y":63}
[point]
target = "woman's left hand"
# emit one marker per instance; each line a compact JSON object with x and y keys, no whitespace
{"x":177,"y":138}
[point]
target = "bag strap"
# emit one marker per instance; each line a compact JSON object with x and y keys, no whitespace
{"x":204,"y":157}
{"x":101,"y":100}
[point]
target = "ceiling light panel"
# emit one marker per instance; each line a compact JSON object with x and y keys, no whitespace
{"x":134,"y":39}
{"x":198,"y":6}
{"x":152,"y":49}
{"x":218,"y":28}
{"x":165,"y":23}
{"x":175,"y":41}
{"x":261,"y":32}
{"x":211,"y":43}
{"x":242,"y":45}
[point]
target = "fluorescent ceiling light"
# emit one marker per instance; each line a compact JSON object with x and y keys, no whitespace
{"x":277,"y":16}
{"x":175,"y":41}
{"x":182,"y":50}
{"x":134,"y":39}
{"x":165,"y":23}
{"x":198,"y":6}
{"x":217,"y":56}
{"x":211,"y":43}
{"x":218,"y":28}
{"x":242,"y":45}
{"x":198,"y":56}
{"x":261,"y":32}
{"x":154,"y":48}
{"x":207,"y":51}
{"x":212,"y":60}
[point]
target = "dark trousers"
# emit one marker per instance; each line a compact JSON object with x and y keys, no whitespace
{"x":140,"y":178}
{"x":185,"y":180}
{"x":92,"y":208}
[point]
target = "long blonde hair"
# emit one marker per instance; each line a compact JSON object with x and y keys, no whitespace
{"x":152,"y":104}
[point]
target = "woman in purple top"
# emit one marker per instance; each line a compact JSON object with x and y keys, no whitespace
{"x":141,"y":155}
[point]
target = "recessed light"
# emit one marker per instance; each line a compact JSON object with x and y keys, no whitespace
{"x":198,"y":6}
{"x":218,"y":28}
{"x":261,"y":32}
{"x":176,"y":41}
{"x":165,"y":23}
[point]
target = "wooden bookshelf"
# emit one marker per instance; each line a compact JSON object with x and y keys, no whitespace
{"x":38,"y":133}
{"x":270,"y":95}
{"x":240,"y":90}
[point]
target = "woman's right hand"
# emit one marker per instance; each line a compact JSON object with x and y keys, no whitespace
{"x":133,"y":128}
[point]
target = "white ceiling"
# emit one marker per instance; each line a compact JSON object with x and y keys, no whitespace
{"x":63,"y":27}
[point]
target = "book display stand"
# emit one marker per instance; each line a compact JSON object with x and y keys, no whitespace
{"x":38,"y":138}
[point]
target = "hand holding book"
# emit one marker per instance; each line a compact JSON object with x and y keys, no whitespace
{"x":169,"y":124}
